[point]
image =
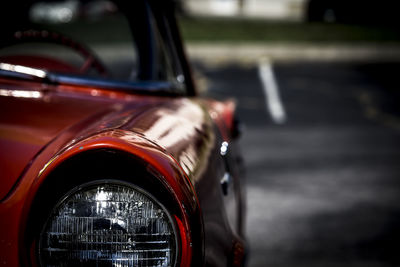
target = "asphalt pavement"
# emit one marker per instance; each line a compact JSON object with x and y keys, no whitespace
{"x":323,"y":184}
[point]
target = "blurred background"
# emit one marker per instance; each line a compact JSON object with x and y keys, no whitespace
{"x":317,"y":87}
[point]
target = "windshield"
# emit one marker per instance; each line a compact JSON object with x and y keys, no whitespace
{"x":88,"y":38}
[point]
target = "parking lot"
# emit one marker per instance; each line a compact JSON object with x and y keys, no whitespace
{"x":323,"y":182}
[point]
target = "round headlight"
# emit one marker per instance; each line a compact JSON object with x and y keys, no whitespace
{"x":108,"y":225}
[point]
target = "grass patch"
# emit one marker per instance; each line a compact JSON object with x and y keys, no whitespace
{"x":108,"y":30}
{"x":245,"y":30}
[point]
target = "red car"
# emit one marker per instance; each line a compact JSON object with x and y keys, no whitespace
{"x":108,"y":155}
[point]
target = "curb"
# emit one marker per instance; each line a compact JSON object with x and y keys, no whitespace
{"x":250,"y":53}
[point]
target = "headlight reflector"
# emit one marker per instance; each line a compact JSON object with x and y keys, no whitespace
{"x":109,"y":225}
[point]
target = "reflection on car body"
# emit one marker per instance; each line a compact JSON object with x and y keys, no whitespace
{"x":109,"y":157}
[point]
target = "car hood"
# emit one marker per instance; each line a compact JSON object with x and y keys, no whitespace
{"x":31,"y":119}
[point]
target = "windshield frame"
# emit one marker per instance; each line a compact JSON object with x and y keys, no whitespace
{"x":146,"y":18}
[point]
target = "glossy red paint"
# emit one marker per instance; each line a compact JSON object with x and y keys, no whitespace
{"x":175,"y":135}
{"x":186,"y":245}
{"x":28,"y":124}
{"x":163,"y":163}
{"x":18,"y":203}
{"x":44,"y":126}
{"x":182,"y":128}
{"x":238,"y":254}
{"x":41,"y":62}
{"x":133,"y":124}
{"x":223,"y":114}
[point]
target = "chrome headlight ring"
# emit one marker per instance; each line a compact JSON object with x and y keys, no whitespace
{"x":109,"y":223}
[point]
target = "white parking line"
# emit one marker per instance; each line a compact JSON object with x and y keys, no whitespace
{"x":271,"y":91}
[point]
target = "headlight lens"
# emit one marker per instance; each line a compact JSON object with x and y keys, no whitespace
{"x":109,"y":225}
